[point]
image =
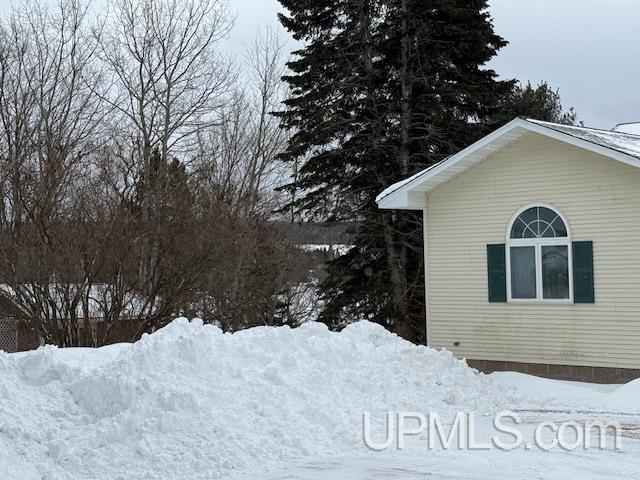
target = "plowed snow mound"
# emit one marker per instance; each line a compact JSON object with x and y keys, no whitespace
{"x":191,"y":402}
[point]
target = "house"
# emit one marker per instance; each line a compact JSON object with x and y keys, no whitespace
{"x":532,"y":250}
{"x":90,"y":326}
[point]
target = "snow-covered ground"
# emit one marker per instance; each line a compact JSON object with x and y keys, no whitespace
{"x":336,"y":249}
{"x":189,"y":402}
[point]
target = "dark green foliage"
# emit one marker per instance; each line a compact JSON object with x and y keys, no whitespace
{"x":163,"y":189}
{"x":380,"y":90}
{"x":541,"y":103}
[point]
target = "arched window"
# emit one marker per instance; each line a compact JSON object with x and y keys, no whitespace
{"x":538,"y":256}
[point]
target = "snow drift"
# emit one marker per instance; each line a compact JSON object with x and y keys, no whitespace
{"x":192,"y":402}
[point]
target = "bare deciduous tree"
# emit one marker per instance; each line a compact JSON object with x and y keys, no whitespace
{"x":136,"y":176}
{"x":51,"y":118}
{"x":170,"y":79}
{"x":169,"y":74}
{"x":239,"y":154}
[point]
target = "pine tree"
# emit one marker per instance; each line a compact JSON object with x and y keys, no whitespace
{"x":541,"y":102}
{"x":382,"y":89}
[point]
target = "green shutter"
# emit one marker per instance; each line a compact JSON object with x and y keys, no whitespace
{"x":497,"y":273}
{"x":583,"y":272}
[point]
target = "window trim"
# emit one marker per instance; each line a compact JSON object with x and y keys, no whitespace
{"x":538,"y":243}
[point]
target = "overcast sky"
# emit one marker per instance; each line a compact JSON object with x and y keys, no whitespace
{"x":589,"y":49}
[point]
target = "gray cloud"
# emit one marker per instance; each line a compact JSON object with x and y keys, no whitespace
{"x":589,"y":49}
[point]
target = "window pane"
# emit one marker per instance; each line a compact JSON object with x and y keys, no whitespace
{"x":538,"y":222}
{"x":529,"y":215}
{"x":520,"y":229}
{"x":523,"y":272}
{"x":559,"y":227}
{"x":555,"y":272}
{"x":531,"y":230}
{"x":552,"y":225}
{"x":546,"y":215}
{"x":517,"y":231}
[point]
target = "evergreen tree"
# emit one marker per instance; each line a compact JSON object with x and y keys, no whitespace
{"x":163,"y":189}
{"x":382,"y":89}
{"x":540,"y":102}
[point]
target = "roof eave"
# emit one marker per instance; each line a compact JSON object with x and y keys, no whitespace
{"x":404,"y":200}
{"x":412,"y":195}
{"x":399,"y":199}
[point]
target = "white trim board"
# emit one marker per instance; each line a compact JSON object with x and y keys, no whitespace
{"x":410,"y":194}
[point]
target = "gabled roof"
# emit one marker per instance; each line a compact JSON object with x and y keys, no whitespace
{"x":409,"y":194}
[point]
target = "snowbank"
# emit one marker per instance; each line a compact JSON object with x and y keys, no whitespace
{"x":191,"y":402}
{"x":543,"y":393}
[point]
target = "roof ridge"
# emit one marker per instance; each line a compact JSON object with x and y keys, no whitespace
{"x":620,"y":146}
{"x":584,"y":128}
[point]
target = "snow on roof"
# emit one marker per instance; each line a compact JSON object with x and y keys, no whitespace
{"x":633,"y":128}
{"x":617,"y":144}
{"x":396,"y":186}
{"x":620,"y":141}
{"x":96,"y":298}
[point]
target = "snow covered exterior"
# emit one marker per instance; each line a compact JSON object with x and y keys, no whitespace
{"x":191,"y":402}
{"x":532,"y":246}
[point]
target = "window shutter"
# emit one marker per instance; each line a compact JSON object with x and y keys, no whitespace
{"x":583,"y":272}
{"x":497,"y":273}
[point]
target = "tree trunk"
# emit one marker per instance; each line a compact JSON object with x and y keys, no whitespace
{"x":396,"y":260}
{"x":394,"y":232}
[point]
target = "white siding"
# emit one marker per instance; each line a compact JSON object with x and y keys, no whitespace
{"x":600,"y":198}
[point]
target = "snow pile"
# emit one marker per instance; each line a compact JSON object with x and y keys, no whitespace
{"x":537,"y":393}
{"x":192,"y":402}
